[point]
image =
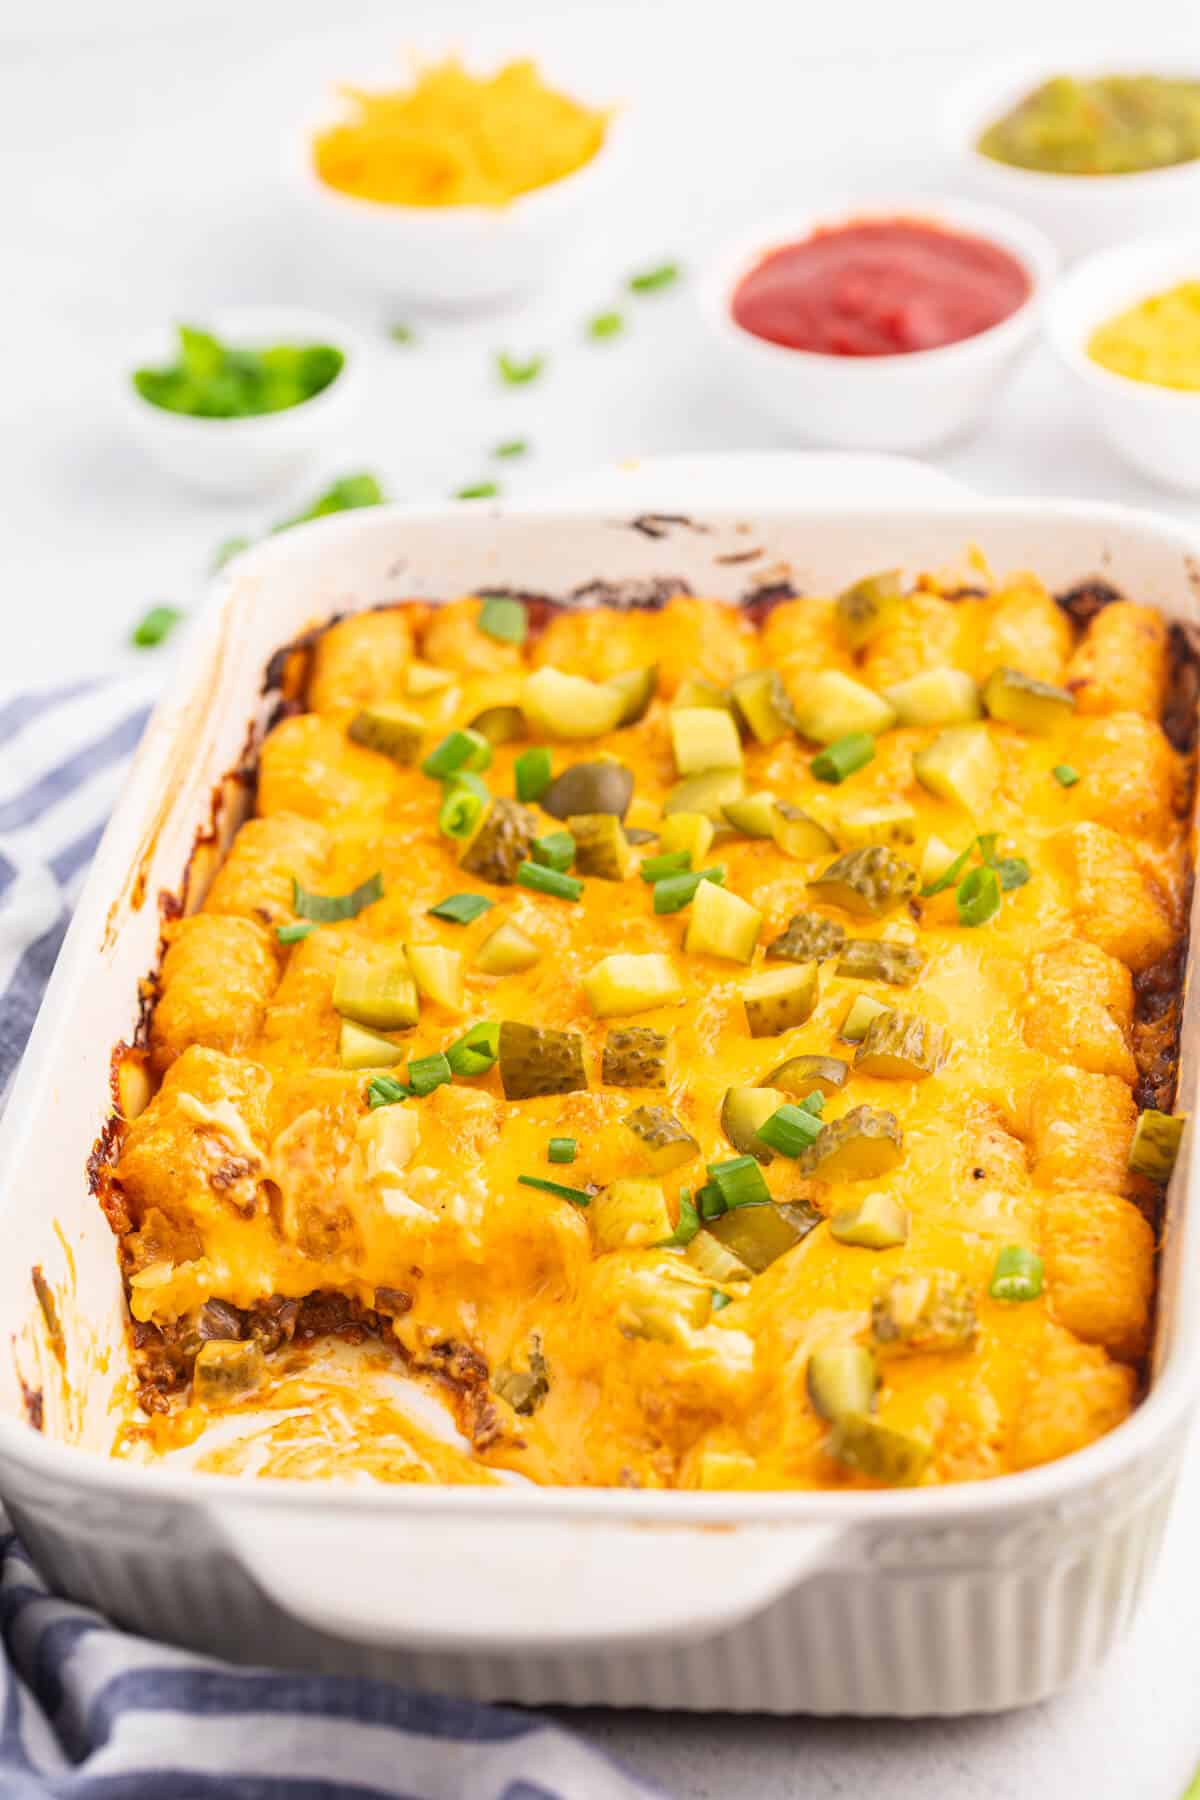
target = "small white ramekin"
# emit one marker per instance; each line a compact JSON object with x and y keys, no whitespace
{"x":451,"y":258}
{"x":1156,"y":429}
{"x":241,"y":458}
{"x":1079,"y":213}
{"x":912,"y":401}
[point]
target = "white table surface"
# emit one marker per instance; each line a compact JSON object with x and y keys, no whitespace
{"x":140,"y":176}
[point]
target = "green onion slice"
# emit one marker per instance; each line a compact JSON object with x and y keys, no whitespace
{"x":465,"y":749}
{"x":842,"y":758}
{"x":517,"y":373}
{"x":671,"y":862}
{"x":477,"y":490}
{"x":477,"y":1049}
{"x":1017,"y":1275}
{"x":503,"y":619}
{"x":606,"y":325}
{"x":674,"y":892}
{"x":428,"y":1072}
{"x":650,"y":281}
{"x":156,"y":626}
{"x":561,"y":1150}
{"x":531,"y":772}
{"x":460,"y":811}
{"x":790,"y":1130}
{"x":227,"y":551}
{"x":384,"y":1090}
{"x":554,"y":850}
{"x":720,"y":1301}
{"x":815,"y":1103}
{"x":710,"y":1203}
{"x":549,"y":881}
{"x":512,"y":447}
{"x":688,"y":1226}
{"x":577,"y":1196}
{"x":291,"y":934}
{"x":1065,"y":775}
{"x":401,"y":334}
{"x":978,"y":897}
{"x":740,"y":1182}
{"x":327,"y":909}
{"x":460,"y":909}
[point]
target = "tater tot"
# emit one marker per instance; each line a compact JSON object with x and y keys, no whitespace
{"x":360,"y":659}
{"x":1122,"y":663}
{"x":255,"y":881}
{"x":1115,"y":905}
{"x":309,"y":766}
{"x":925,"y":634}
{"x":217,"y":976}
{"x":1073,"y":1394}
{"x":1128,"y":775}
{"x":453,"y":640}
{"x":1080,"y":1009}
{"x":1099,"y":1257}
{"x":1079,"y":1127}
{"x":1024,"y":628}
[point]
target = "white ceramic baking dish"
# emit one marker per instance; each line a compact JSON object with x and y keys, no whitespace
{"x":965,"y":1598}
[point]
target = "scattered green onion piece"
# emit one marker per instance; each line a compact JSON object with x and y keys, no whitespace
{"x":511,"y":447}
{"x":460,"y":909}
{"x":1065,"y":775}
{"x":1017,"y":1275}
{"x":815,"y":1103}
{"x":327,"y":909}
{"x":740,"y":1182}
{"x":155,"y":627}
{"x":477,"y":490}
{"x":384,"y":1090}
{"x":477,"y":1049}
{"x":344,"y":495}
{"x":470,"y":782}
{"x":401,"y":334}
{"x":227,"y":551}
{"x":671,"y":862}
{"x":577,"y":1196}
{"x":948,"y":876}
{"x":291,"y":934}
{"x":549,"y":881}
{"x":790,"y":1130}
{"x":1011,"y":872}
{"x":516,"y":373}
{"x":463,"y":749}
{"x":710,"y":1202}
{"x":686,"y":1229}
{"x":561,"y":1150}
{"x":650,"y":281}
{"x":977,"y":897}
{"x":842,"y":758}
{"x":605,"y":325}
{"x":531,"y":772}
{"x":674,"y":892}
{"x":428,"y":1072}
{"x":554,"y":850}
{"x":460,"y":811}
{"x":720,"y":1301}
{"x":503,"y":619}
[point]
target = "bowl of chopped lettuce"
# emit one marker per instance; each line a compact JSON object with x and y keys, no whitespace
{"x":240,"y":402}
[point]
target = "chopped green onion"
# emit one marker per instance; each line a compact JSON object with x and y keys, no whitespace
{"x":549,"y":881}
{"x":291,"y":934}
{"x":948,"y":876}
{"x":650,"y":281}
{"x":1017,"y":1275}
{"x":468,"y":780}
{"x":1065,"y":775}
{"x":344,"y":495}
{"x":674,"y":892}
{"x":428,"y":1072}
{"x":710,"y":1203}
{"x":155,"y":627}
{"x":477,"y":490}
{"x":1011,"y":872}
{"x":740,"y":1182}
{"x":531,"y":772}
{"x":326,"y":909}
{"x":577,"y":1196}
{"x":464,"y":749}
{"x":503,"y":619}
{"x":460,"y":811}
{"x":515,"y":373}
{"x":720,"y":1301}
{"x":384,"y":1090}
{"x":561,"y":1150}
{"x":554,"y":850}
{"x":977,"y":897}
{"x":460,"y":909}
{"x":815,"y":1103}
{"x":227,"y":551}
{"x":671,"y":862}
{"x":838,"y":760}
{"x":606,"y":325}
{"x":511,"y":447}
{"x":686,"y":1229}
{"x":401,"y":334}
{"x":477,"y":1049}
{"x":790,"y":1130}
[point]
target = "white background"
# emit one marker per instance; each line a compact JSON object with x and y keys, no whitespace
{"x":141,"y":155}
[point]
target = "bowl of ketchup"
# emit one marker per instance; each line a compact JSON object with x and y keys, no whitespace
{"x":879,"y":327}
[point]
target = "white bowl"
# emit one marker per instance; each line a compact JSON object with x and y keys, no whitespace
{"x":1080,"y":213}
{"x":911,"y":401}
{"x":1156,"y":429}
{"x":240,"y":458}
{"x":456,"y":258}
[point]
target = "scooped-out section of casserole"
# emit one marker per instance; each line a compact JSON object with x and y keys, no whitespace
{"x":710,"y":1047}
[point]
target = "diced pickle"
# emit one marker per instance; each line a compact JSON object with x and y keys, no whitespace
{"x":893,"y":823}
{"x":625,"y":983}
{"x":534,"y":1061}
{"x":722,"y":924}
{"x":501,"y":724}
{"x":935,"y":860}
{"x":437,"y":973}
{"x":808,"y":938}
{"x":779,"y":999}
{"x":1155,"y":1144}
{"x":860,"y":1146}
{"x":832,"y":705}
{"x":713,"y":1260}
{"x":899,"y":1047}
{"x":743,"y":1110}
{"x":570,"y":706}
{"x":602,"y":786}
{"x":708,"y":793}
{"x":601,"y":847}
{"x":798,"y":834}
{"x":359,"y":1048}
{"x":874,"y":959}
{"x":702,"y":693}
{"x":877,"y":1222}
{"x":752,"y":815}
{"x":865,"y":608}
{"x":636,"y":688}
{"x":376,"y":990}
{"x":392,"y":730}
{"x":703,"y":738}
{"x":862,"y":1011}
{"x":867,"y":883}
{"x":761,"y":702}
{"x":506,"y":951}
{"x":936,"y":697}
{"x":758,"y":1235}
{"x":227,"y":1370}
{"x":801,"y":1076}
{"x":524,"y":1389}
{"x":840,"y":1380}
{"x":1030,"y":705}
{"x":502,"y":842}
{"x":688,"y":831}
{"x":629,"y":1214}
{"x":880,"y":1452}
{"x":960,"y":765}
{"x":917,"y":1312}
{"x":666,"y":1144}
{"x":665,"y":1305}
{"x":635,"y":1056}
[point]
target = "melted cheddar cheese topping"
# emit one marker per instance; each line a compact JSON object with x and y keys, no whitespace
{"x":258,"y":1175}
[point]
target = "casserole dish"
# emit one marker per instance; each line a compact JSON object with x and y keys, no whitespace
{"x":960,"y":1599}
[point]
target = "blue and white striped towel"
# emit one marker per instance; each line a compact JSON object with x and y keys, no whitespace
{"x":88,"y":1712}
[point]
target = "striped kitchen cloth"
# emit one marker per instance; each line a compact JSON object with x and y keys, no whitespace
{"x":88,"y":1712}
